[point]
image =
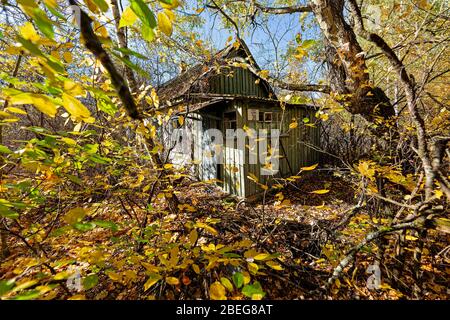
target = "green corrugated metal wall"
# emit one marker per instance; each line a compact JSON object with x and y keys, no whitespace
{"x":238,"y":81}
{"x":298,"y":154}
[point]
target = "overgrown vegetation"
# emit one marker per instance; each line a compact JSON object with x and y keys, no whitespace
{"x":91,"y":208}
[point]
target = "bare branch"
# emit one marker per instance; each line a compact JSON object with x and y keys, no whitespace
{"x":282,"y":10}
{"x":94,"y":45}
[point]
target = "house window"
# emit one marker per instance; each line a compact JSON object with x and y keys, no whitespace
{"x":267,"y":116}
{"x":261,"y":117}
{"x":229,"y":120}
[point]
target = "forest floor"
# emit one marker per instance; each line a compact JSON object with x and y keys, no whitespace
{"x":308,"y":232}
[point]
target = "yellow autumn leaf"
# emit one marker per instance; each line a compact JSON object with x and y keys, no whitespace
{"x":170,"y":15}
{"x":173,"y":5}
{"x":128,"y":18}
{"x":24,"y":285}
{"x":75,"y":107}
{"x":7,"y":117}
{"x":74,"y":215}
{"x":217,"y":291}
{"x":92,"y":6}
{"x":196,"y":268}
{"x":366,"y":169}
{"x":321,"y":206}
{"x":253,"y":267}
{"x":320,"y":191}
{"x":261,"y":256}
{"x":193,"y":236}
{"x":247,"y":277}
{"x":227,"y":284}
{"x":51,"y":3}
{"x":252,"y":177}
{"x":168,"y":166}
{"x":28,"y":32}
{"x":274,"y":265}
{"x":151,"y":268}
{"x":165,"y":24}
{"x":310,"y":168}
{"x":55,"y":54}
{"x":73,"y":89}
{"x":293,"y":125}
{"x":15,"y":110}
{"x":257,"y":296}
{"x":43,"y":103}
{"x":69,"y":141}
{"x":115,"y":276}
{"x":324,"y":116}
{"x":77,"y":297}
{"x":264,"y":73}
{"x":437,"y":193}
{"x":153,"y":279}
{"x":206,"y":227}
{"x":68,"y":56}
{"x":172,"y":280}
{"x":61,"y":275}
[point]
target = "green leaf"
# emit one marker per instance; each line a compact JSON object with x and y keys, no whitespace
{"x":102,"y":4}
{"x":91,"y":148}
{"x":28,"y":295}
{"x":148,"y":34}
{"x":83,"y":227}
{"x":54,"y":11}
{"x":60,"y":231}
{"x":25,"y":285}
{"x":6,"y":286}
{"x":254,"y":289}
{"x":32,"y":48}
{"x":107,"y":106}
{"x":144,"y":13}
{"x":44,"y":23}
{"x":308,"y":44}
{"x":4,"y":149}
{"x":8,"y":213}
{"x":106,"y":224}
{"x":131,"y":53}
{"x":90,"y":281}
{"x":104,"y":101}
{"x":99,"y":159}
{"x":238,"y":279}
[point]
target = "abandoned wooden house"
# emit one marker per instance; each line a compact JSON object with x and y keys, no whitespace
{"x":224,"y":93}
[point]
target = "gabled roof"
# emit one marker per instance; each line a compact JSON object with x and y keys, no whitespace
{"x":196,"y":78}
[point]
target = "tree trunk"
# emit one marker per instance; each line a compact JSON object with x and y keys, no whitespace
{"x":347,"y":63}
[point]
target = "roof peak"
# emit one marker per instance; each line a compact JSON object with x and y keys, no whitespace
{"x":181,"y":84}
